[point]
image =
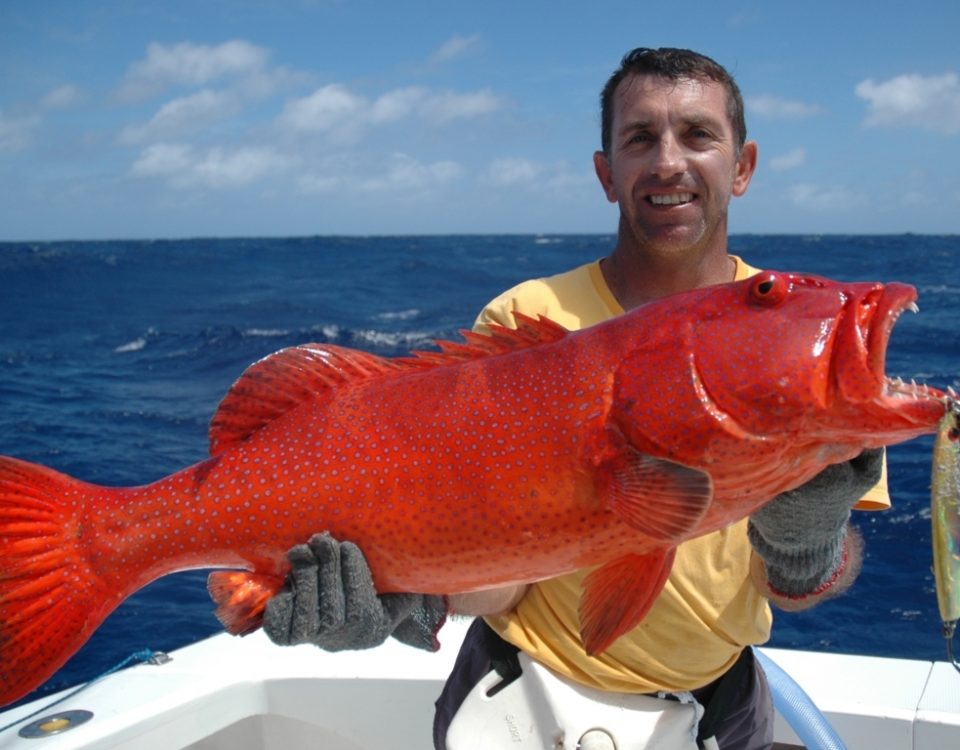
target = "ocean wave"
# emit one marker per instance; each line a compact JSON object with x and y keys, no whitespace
{"x":330,"y":331}
{"x":399,"y":315}
{"x":392,"y":339}
{"x":266,"y":332}
{"x":132,"y":346}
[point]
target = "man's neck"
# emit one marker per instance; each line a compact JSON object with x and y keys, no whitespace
{"x":636,"y":278}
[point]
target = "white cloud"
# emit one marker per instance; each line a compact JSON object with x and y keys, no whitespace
{"x":337,"y":110}
{"x":223,"y":169}
{"x":775,"y":108}
{"x":184,"y":166}
{"x":928,"y":102}
{"x":835,"y":198}
{"x":62,"y":97}
{"x":456,"y":46}
{"x":406,"y":173}
{"x":397,"y":105}
{"x":323,"y":110}
{"x":182,"y":115}
{"x":16,"y":133}
{"x":790,"y":160}
{"x":452,"y":106}
{"x":512,"y":171}
{"x":318,"y":183}
{"x":187,"y":64}
{"x":163,"y":160}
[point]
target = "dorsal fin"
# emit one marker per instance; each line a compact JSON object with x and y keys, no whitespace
{"x":282,"y":381}
{"x":498,"y":339}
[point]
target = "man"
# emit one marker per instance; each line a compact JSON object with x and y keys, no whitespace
{"x":674,"y":153}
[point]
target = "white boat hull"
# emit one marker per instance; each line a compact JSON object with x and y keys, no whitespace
{"x":247,"y":694}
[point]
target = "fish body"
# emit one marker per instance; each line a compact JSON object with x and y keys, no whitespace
{"x":508,"y":458}
{"x":945,"y":517}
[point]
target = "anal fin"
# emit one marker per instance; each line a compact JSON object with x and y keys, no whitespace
{"x":241,"y":598}
{"x":618,"y":595}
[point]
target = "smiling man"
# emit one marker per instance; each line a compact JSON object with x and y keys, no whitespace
{"x":674,"y":153}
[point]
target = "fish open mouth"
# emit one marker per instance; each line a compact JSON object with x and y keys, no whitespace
{"x":862,"y":351}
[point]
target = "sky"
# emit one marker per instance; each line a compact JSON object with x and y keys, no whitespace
{"x":227,"y":118}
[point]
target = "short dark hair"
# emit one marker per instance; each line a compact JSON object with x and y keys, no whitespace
{"x":673,"y":64}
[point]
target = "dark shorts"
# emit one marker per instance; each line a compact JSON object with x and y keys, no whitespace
{"x":739,"y":707}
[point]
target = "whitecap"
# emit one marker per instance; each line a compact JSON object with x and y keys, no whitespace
{"x":392,"y":338}
{"x":399,"y":315}
{"x":330,"y":331}
{"x":131,"y":346}
{"x":266,"y":332}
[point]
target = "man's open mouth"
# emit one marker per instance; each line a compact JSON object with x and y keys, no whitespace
{"x":670,"y":199}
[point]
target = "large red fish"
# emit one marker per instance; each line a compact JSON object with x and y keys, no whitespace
{"x":505,"y":459}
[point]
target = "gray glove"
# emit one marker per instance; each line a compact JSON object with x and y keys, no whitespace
{"x":329,"y":600}
{"x":801,"y":534}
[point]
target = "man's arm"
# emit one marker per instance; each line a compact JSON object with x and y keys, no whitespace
{"x":487,"y":602}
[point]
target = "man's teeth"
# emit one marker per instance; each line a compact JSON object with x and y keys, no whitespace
{"x":673,"y":199}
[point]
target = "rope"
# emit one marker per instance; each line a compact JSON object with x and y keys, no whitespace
{"x":139,"y":657}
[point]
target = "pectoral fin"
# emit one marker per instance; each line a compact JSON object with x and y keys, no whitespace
{"x":617,"y":596}
{"x":661,"y":499}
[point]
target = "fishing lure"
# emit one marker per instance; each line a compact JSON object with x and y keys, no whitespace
{"x":945,"y":520}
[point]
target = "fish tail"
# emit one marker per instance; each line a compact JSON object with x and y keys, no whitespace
{"x":50,"y":599}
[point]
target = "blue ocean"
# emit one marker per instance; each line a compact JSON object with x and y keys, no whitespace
{"x":114,"y":356}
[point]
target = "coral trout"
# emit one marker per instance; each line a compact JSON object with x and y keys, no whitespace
{"x":510,"y":457}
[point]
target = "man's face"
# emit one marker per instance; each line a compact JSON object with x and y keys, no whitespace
{"x":673,"y":162}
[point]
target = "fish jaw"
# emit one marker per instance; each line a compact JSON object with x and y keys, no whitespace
{"x":859,"y":360}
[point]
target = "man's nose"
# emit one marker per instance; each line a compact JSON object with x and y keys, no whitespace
{"x":669,"y":158}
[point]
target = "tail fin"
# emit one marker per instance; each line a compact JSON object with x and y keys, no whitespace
{"x":50,"y":599}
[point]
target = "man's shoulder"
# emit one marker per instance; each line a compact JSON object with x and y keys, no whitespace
{"x":558,"y":297}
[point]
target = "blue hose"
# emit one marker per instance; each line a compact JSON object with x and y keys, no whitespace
{"x":798,"y":709}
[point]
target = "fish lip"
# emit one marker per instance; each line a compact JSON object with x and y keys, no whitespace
{"x":860,"y":352}
{"x":892,"y":301}
{"x":885,"y":306}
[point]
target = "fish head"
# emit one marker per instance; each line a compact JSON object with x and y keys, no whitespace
{"x":780,"y":358}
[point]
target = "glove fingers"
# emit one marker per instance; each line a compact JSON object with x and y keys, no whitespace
{"x":365,"y":621}
{"x":278,"y":617}
{"x":329,"y":604}
{"x":305,"y":596}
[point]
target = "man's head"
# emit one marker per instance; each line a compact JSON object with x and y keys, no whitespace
{"x":672,"y":64}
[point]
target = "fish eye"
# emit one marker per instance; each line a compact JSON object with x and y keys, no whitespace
{"x":768,"y":288}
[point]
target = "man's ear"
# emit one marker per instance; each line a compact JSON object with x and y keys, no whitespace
{"x":746,"y":165}
{"x":602,"y":167}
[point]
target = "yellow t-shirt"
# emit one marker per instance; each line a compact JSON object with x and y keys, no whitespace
{"x":708,"y":610}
